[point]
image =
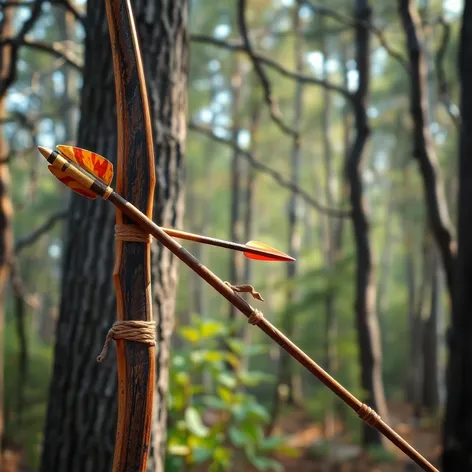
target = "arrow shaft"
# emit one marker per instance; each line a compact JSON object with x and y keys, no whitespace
{"x":221,"y":243}
{"x":93,"y":183}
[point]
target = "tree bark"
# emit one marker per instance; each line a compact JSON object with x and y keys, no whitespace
{"x":6,"y":235}
{"x":457,"y":431}
{"x":81,"y":418}
{"x":423,"y":148}
{"x":366,"y":318}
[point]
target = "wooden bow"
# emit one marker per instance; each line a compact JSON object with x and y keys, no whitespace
{"x":132,"y":273}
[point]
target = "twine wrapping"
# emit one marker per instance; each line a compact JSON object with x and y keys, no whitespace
{"x":368,"y":415}
{"x":246,"y":288}
{"x":131,"y":233}
{"x":256,"y":317}
{"x":131,"y":330}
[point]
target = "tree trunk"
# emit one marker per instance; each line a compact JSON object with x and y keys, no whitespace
{"x":423,"y":148}
{"x":286,"y":375}
{"x":368,"y":332}
{"x":457,"y":439}
{"x":6,"y":236}
{"x":81,"y":418}
{"x":236,"y":261}
{"x":331,"y":248}
{"x":430,"y":356}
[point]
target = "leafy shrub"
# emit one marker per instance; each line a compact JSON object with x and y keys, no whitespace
{"x":213,"y":420}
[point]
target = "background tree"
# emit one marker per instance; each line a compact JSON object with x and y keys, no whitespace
{"x":80,"y":426}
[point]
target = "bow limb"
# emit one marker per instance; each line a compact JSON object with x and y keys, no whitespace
{"x":132,"y":274}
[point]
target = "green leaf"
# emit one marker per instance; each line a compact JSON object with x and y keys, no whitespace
{"x":266,"y":463}
{"x":190,"y":334}
{"x":222,"y":456}
{"x":214,"y":402}
{"x":252,"y":379}
{"x":238,"y":438}
{"x":178,"y":449}
{"x":194,"y":422}
{"x":228,"y":380}
{"x":201,"y":454}
{"x":252,"y":431}
{"x":210,"y":329}
{"x":226,"y":395}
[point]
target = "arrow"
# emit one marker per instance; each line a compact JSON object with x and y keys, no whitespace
{"x":90,"y":174}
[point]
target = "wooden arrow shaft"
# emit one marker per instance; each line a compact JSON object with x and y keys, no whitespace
{"x":267,"y":327}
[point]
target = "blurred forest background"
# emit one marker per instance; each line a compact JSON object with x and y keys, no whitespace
{"x":328,"y":130}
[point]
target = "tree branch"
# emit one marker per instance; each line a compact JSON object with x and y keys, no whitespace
{"x":10,"y":77}
{"x":304,"y":79}
{"x":353,"y":22}
{"x":274,"y":109}
{"x":56,"y":49}
{"x":31,"y":238}
{"x":80,"y":17}
{"x":282,"y":181}
{"x":443,"y":86}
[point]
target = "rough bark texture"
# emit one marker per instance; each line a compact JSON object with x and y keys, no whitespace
{"x":80,"y":428}
{"x":366,"y":318}
{"x":6,"y":237}
{"x":423,"y":148}
{"x":457,"y":455}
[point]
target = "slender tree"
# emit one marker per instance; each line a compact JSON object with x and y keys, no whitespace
{"x":6,"y":238}
{"x":423,"y":147}
{"x":368,"y":332}
{"x":457,"y":439}
{"x":286,"y":373}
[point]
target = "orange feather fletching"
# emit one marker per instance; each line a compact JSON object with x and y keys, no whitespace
{"x":90,"y":161}
{"x":265,"y":247}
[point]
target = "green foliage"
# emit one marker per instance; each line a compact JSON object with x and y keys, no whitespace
{"x":26,"y":428}
{"x":213,"y":419}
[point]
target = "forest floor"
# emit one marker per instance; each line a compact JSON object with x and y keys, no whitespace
{"x":338,"y":454}
{"x":335,"y":454}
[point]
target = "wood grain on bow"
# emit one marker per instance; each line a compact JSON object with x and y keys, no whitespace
{"x":132,"y":274}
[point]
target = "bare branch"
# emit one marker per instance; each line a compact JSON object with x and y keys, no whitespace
{"x":353,"y":22}
{"x":31,"y":238}
{"x":56,"y":49}
{"x":282,"y":181}
{"x":304,"y":79}
{"x":443,"y":86}
{"x":10,"y":77}
{"x":79,"y":16}
{"x":274,"y":109}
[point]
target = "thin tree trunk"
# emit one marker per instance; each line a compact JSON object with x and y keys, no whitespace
{"x":430,"y":399}
{"x":286,"y":375}
{"x":249,"y":199}
{"x":81,"y":418}
{"x":6,"y":236}
{"x":236,"y":261}
{"x":368,"y":332}
{"x":330,"y":248}
{"x":423,"y":147}
{"x":457,"y":433}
